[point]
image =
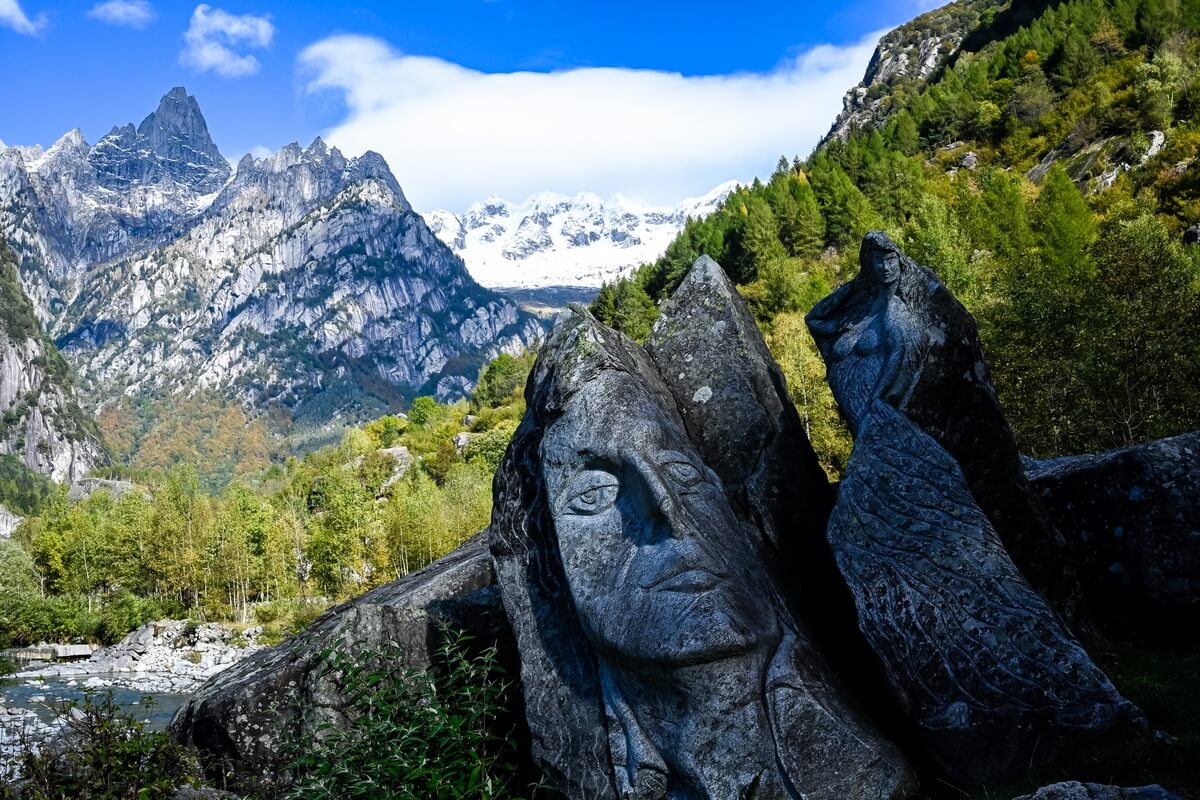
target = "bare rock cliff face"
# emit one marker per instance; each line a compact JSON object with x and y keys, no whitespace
{"x":303,"y":278}
{"x":41,"y":423}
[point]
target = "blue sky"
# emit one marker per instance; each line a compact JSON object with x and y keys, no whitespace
{"x":465,"y":98}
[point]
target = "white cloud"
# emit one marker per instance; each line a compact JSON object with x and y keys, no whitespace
{"x":131,"y":13}
{"x":11,"y":16}
{"x":453,"y":135}
{"x":260,"y":151}
{"x":212,"y":36}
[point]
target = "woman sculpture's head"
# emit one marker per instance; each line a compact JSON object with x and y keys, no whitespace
{"x":880,"y":258}
{"x":644,"y":531}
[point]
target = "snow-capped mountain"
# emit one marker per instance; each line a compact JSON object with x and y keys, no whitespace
{"x":303,"y":279}
{"x":555,"y":240}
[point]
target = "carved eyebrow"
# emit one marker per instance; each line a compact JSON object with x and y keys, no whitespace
{"x":667,"y":456}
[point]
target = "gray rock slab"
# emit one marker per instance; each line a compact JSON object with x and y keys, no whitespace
{"x":239,"y":718}
{"x":976,"y":657}
{"x":733,"y":399}
{"x":1132,"y":518}
{"x":658,"y":658}
{"x":1074,"y":790}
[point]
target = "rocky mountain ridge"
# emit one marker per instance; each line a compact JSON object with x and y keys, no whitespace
{"x":907,"y":55}
{"x":160,"y":269}
{"x":554,"y":240}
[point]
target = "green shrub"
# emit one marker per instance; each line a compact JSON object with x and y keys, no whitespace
{"x":487,"y":449}
{"x":107,"y":754}
{"x":411,"y":734}
{"x":123,"y":612}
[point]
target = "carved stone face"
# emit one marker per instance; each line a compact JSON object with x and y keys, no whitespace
{"x":655,"y":564}
{"x":886,"y":266}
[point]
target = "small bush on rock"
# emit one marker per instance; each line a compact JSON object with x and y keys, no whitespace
{"x":410,"y":734}
{"x":104,"y":754}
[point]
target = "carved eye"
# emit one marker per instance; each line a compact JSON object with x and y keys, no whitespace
{"x":683,"y":472}
{"x":592,"y":492}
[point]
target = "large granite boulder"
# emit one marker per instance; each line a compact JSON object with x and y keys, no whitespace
{"x":734,"y":403}
{"x":975,"y":656}
{"x":1074,"y":790}
{"x":1132,"y":517}
{"x":658,"y":659}
{"x":896,"y":333}
{"x":241,"y":718}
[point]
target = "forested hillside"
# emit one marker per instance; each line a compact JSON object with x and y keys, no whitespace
{"x":1047,"y":172}
{"x":273,"y":548}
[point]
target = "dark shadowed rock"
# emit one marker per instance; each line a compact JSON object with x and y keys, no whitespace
{"x":975,"y":655}
{"x":895,"y":332}
{"x":657,"y":657}
{"x":1074,"y":790}
{"x":734,"y":403}
{"x":1133,"y":519}
{"x":239,"y":719}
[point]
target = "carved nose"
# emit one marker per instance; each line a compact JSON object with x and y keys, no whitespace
{"x":665,"y":507}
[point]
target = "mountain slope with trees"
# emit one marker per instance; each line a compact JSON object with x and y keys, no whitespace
{"x":1047,"y":171}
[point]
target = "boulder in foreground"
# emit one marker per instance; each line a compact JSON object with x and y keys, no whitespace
{"x":239,"y":718}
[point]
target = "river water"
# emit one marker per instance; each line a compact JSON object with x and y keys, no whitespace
{"x":49,"y":694}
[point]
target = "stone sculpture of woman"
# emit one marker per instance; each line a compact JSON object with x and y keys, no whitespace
{"x":977,"y":659}
{"x":867,"y":333}
{"x":896,"y":334}
{"x":657,"y":660}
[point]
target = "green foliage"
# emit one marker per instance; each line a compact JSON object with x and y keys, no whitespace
{"x":205,"y":432}
{"x":18,"y":324}
{"x":422,"y":411}
{"x":487,"y":449}
{"x":804,"y":370}
{"x":411,"y":733}
{"x":1084,"y":297}
{"x":108,"y":754}
{"x":626,"y":307}
{"x":501,"y":380}
{"x":386,"y":430}
{"x":279,"y":548}
{"x":18,"y":321}
{"x":22,"y":490}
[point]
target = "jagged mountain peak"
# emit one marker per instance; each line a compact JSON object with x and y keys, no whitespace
{"x":178,"y":116}
{"x":72,"y":139}
{"x":171,"y":143}
{"x":310,"y":174}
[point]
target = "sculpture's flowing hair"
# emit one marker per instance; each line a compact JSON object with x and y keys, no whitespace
{"x":557,"y":663}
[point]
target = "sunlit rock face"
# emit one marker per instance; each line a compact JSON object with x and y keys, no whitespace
{"x":41,"y":423}
{"x":658,"y":659}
